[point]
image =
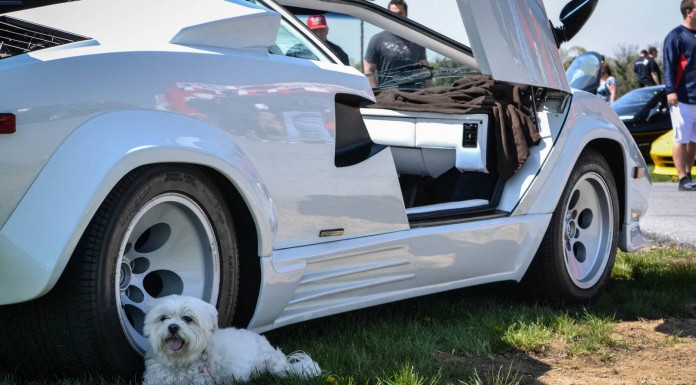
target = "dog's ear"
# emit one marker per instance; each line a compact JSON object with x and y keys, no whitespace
{"x":148,"y":306}
{"x":212,"y":316}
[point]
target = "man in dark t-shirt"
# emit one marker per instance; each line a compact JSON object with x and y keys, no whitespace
{"x":639,"y":67}
{"x":652,"y":70}
{"x":388,"y":53}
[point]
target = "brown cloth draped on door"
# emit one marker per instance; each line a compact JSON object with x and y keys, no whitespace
{"x":514,"y":129}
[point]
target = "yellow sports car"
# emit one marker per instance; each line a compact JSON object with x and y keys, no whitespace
{"x":661,"y":154}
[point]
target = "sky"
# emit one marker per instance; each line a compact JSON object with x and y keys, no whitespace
{"x":614,"y":23}
{"x":638,"y":23}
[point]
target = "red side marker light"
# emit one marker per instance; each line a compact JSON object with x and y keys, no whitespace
{"x":8,"y":124}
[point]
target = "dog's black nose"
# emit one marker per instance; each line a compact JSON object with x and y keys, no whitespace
{"x":173,"y":328}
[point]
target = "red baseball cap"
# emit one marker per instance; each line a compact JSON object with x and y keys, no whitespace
{"x":316,"y":22}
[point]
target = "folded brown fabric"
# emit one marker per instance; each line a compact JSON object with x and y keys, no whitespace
{"x":512,"y":124}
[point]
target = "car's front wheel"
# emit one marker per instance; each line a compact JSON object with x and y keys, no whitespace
{"x":162,"y":230}
{"x":577,"y":253}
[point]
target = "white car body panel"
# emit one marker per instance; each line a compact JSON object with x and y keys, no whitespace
{"x":540,"y":192}
{"x":518,"y":186}
{"x":529,"y":55}
{"x":290,"y":223}
{"x":203,"y":89}
{"x":585,"y":129}
{"x":135,"y":138}
{"x":209,"y":23}
{"x":483,"y":254}
{"x":316,"y":281}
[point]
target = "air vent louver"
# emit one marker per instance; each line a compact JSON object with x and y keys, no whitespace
{"x":17,"y":37}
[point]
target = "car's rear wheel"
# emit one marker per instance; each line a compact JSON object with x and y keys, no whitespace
{"x":577,"y":253}
{"x":162,"y":230}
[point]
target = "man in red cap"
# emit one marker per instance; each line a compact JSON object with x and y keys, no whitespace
{"x":317,"y":23}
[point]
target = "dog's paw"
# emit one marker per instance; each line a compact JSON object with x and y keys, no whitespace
{"x":302,"y":365}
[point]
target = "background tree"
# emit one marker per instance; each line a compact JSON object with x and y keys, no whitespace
{"x":622,"y":65}
{"x":569,"y":54}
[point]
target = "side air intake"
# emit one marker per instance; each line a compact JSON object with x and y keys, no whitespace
{"x":18,"y":37}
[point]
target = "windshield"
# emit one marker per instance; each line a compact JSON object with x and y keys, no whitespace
{"x":389,"y":61}
{"x":631,"y":104}
{"x":583,"y":73}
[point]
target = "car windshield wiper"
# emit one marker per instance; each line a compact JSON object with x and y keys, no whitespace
{"x":408,"y":74}
{"x":448,"y":72}
{"x":417,"y":73}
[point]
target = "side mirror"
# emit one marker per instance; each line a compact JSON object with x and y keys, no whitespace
{"x":573,"y":17}
{"x":657,"y":114}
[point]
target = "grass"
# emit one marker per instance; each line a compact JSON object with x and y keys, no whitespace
{"x":406,"y":343}
{"x":659,"y":178}
{"x":403,"y":343}
{"x":665,"y":178}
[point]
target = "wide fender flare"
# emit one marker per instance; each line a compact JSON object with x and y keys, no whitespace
{"x":590,"y":119}
{"x":46,"y":226}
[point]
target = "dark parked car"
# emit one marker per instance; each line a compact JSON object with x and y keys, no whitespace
{"x":645,"y":113}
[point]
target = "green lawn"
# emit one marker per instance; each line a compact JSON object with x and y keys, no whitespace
{"x":399,"y":344}
{"x":665,"y":178}
{"x":659,"y":178}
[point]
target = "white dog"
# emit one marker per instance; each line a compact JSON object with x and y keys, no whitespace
{"x":186,"y":347}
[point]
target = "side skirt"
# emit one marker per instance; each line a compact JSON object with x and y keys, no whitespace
{"x":315,"y":281}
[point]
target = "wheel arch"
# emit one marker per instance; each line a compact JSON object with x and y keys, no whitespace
{"x":97,"y":155}
{"x":601,"y":130}
{"x":614,"y":155}
{"x":247,"y":241}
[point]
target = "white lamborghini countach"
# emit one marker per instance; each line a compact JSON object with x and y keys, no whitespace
{"x":220,"y":149}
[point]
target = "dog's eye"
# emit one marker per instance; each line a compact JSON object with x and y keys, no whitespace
{"x":163,"y":318}
{"x":187,"y":319}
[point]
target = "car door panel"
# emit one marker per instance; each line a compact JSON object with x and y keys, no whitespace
{"x":529,"y":53}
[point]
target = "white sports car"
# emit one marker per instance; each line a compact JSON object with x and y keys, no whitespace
{"x":219,"y":149}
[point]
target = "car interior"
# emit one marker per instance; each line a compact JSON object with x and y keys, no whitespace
{"x":454,"y":143}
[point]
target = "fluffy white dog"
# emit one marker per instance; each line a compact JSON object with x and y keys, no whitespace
{"x":186,"y":347}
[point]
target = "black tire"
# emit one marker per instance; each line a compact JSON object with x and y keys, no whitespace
{"x":157,"y":223}
{"x":576,"y":256}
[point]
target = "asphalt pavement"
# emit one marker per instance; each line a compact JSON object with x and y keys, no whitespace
{"x":671,"y":216}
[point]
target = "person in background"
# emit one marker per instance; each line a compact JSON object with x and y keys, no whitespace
{"x":318,"y":25}
{"x":652,"y":70}
{"x":386,"y":52}
{"x":607,"y":84}
{"x":639,"y":67}
{"x":680,"y":84}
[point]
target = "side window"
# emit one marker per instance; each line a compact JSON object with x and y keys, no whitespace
{"x":291,"y":42}
{"x":392,"y":62}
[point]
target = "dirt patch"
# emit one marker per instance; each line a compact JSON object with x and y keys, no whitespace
{"x":652,"y":352}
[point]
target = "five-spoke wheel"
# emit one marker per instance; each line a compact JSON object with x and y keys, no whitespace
{"x":575,"y":258}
